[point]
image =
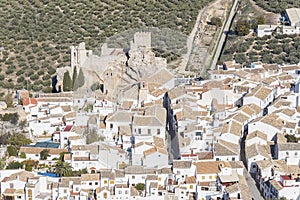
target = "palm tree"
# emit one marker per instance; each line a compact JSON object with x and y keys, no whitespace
{"x":63,"y":168}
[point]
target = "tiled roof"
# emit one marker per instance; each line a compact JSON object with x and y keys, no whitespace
{"x":260,"y":92}
{"x":181,"y":164}
{"x":289,"y":147}
{"x":37,"y":150}
{"x":208,"y":167}
{"x":257,"y":134}
{"x":21,"y":176}
{"x":257,"y":149}
{"x":90,"y":177}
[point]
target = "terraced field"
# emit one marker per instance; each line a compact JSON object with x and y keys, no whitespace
{"x":35,"y":35}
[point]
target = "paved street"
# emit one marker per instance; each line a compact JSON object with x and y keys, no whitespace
{"x":224,"y":34}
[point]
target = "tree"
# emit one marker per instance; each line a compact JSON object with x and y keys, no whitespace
{"x":8,"y":100}
{"x":14,"y":165}
{"x":79,"y":80}
{"x":44,"y":154}
{"x":216,"y":21}
{"x":23,"y":155}
{"x":67,"y":82}
{"x":19,"y":140}
{"x":242,"y":27}
{"x":74,"y":76}
{"x":30,"y":164}
{"x":240,"y":58}
{"x":2,"y":163}
{"x":12,"y":151}
{"x":140,"y":186}
{"x":63,"y":168}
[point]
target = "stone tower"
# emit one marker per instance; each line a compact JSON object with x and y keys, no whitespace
{"x":78,"y":56}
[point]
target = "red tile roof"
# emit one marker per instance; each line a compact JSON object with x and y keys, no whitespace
{"x":68,"y":128}
{"x":28,"y":101}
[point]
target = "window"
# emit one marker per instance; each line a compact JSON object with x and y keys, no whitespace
{"x":126,"y":191}
{"x":96,"y":183}
{"x":133,"y":177}
{"x":159,"y":179}
{"x":111,"y":126}
{"x":158,"y":131}
{"x":120,"y":192}
{"x":210,"y":177}
{"x":233,"y":159}
{"x":203,"y":177}
{"x":140,"y":131}
{"x":105,"y":182}
{"x":11,"y":186}
{"x":149,"y":131}
{"x":191,"y":186}
{"x":90,"y":183}
{"x":105,"y":195}
{"x":65,"y":191}
{"x":112,"y":182}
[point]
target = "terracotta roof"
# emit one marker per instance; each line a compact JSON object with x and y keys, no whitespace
{"x":22,"y":176}
{"x":257,"y":134}
{"x":190,"y":180}
{"x":37,"y":150}
{"x":29,"y":101}
{"x":272,"y":120}
{"x":289,"y":146}
{"x":139,"y":120}
{"x":180,"y":164}
{"x":90,"y":177}
{"x":260,"y":92}
{"x":257,"y":149}
{"x":208,"y":167}
{"x":120,"y":116}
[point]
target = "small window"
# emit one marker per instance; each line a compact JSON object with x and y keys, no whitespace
{"x":140,"y":131}
{"x":90,"y":183}
{"x":126,"y":191}
{"x":191,"y":187}
{"x":158,"y":131}
{"x":111,"y":182}
{"x":203,"y":177}
{"x":210,"y":177}
{"x":96,"y":183}
{"x":105,"y":181}
{"x":133,"y":177}
{"x":149,"y":131}
{"x":111,"y":126}
{"x":65,"y":191}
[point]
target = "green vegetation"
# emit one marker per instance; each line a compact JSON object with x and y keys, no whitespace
{"x":23,"y":155}
{"x":277,"y":6}
{"x":18,"y":139}
{"x":63,"y":168}
{"x":291,"y":138}
{"x":217,"y":21}
{"x":14,"y":165}
{"x":44,"y":154}
{"x":30,"y":164}
{"x":67,"y":82}
{"x":12,"y":151}
{"x":36,"y":35}
{"x":268,"y":49}
{"x":10,"y":117}
{"x":140,"y":186}
{"x":92,"y":136}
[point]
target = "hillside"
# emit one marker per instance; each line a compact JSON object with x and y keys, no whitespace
{"x":35,"y":35}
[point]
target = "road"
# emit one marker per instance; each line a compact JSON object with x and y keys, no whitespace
{"x":223,"y":36}
{"x":252,"y":186}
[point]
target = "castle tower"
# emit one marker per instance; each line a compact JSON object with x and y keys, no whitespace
{"x":141,"y":39}
{"x":79,"y":56}
{"x":143,"y":93}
